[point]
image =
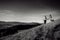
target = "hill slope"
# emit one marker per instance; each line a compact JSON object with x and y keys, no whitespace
{"x":48,"y":31}
{"x":4,"y":24}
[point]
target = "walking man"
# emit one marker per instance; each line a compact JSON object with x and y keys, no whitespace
{"x":51,"y":19}
{"x":45,"y":20}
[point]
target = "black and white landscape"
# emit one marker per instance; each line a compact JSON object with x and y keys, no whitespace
{"x":30,"y":31}
{"x":29,"y":20}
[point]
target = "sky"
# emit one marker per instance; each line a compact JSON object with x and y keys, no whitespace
{"x":28,"y":10}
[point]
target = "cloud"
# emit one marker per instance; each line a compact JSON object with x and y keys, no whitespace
{"x":8,"y":15}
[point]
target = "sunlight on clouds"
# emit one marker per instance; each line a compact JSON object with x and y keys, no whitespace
{"x":7,"y":15}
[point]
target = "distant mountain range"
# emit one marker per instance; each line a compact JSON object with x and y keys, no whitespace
{"x":4,"y":24}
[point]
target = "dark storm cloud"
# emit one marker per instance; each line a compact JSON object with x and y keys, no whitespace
{"x":28,"y":5}
{"x":28,"y":10}
{"x":55,"y":3}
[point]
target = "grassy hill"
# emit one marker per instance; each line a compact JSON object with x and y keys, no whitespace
{"x":4,"y":24}
{"x":49,"y":31}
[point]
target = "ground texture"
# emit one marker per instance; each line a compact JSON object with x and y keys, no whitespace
{"x":49,"y":31}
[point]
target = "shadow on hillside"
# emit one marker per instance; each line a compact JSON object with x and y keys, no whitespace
{"x":14,"y":29}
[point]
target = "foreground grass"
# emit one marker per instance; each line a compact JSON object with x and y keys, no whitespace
{"x":42,"y":32}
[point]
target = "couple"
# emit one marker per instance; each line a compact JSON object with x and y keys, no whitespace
{"x":50,"y":18}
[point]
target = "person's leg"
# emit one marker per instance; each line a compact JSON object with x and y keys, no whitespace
{"x":45,"y":21}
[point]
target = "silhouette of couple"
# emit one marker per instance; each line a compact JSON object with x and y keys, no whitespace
{"x":50,"y":18}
